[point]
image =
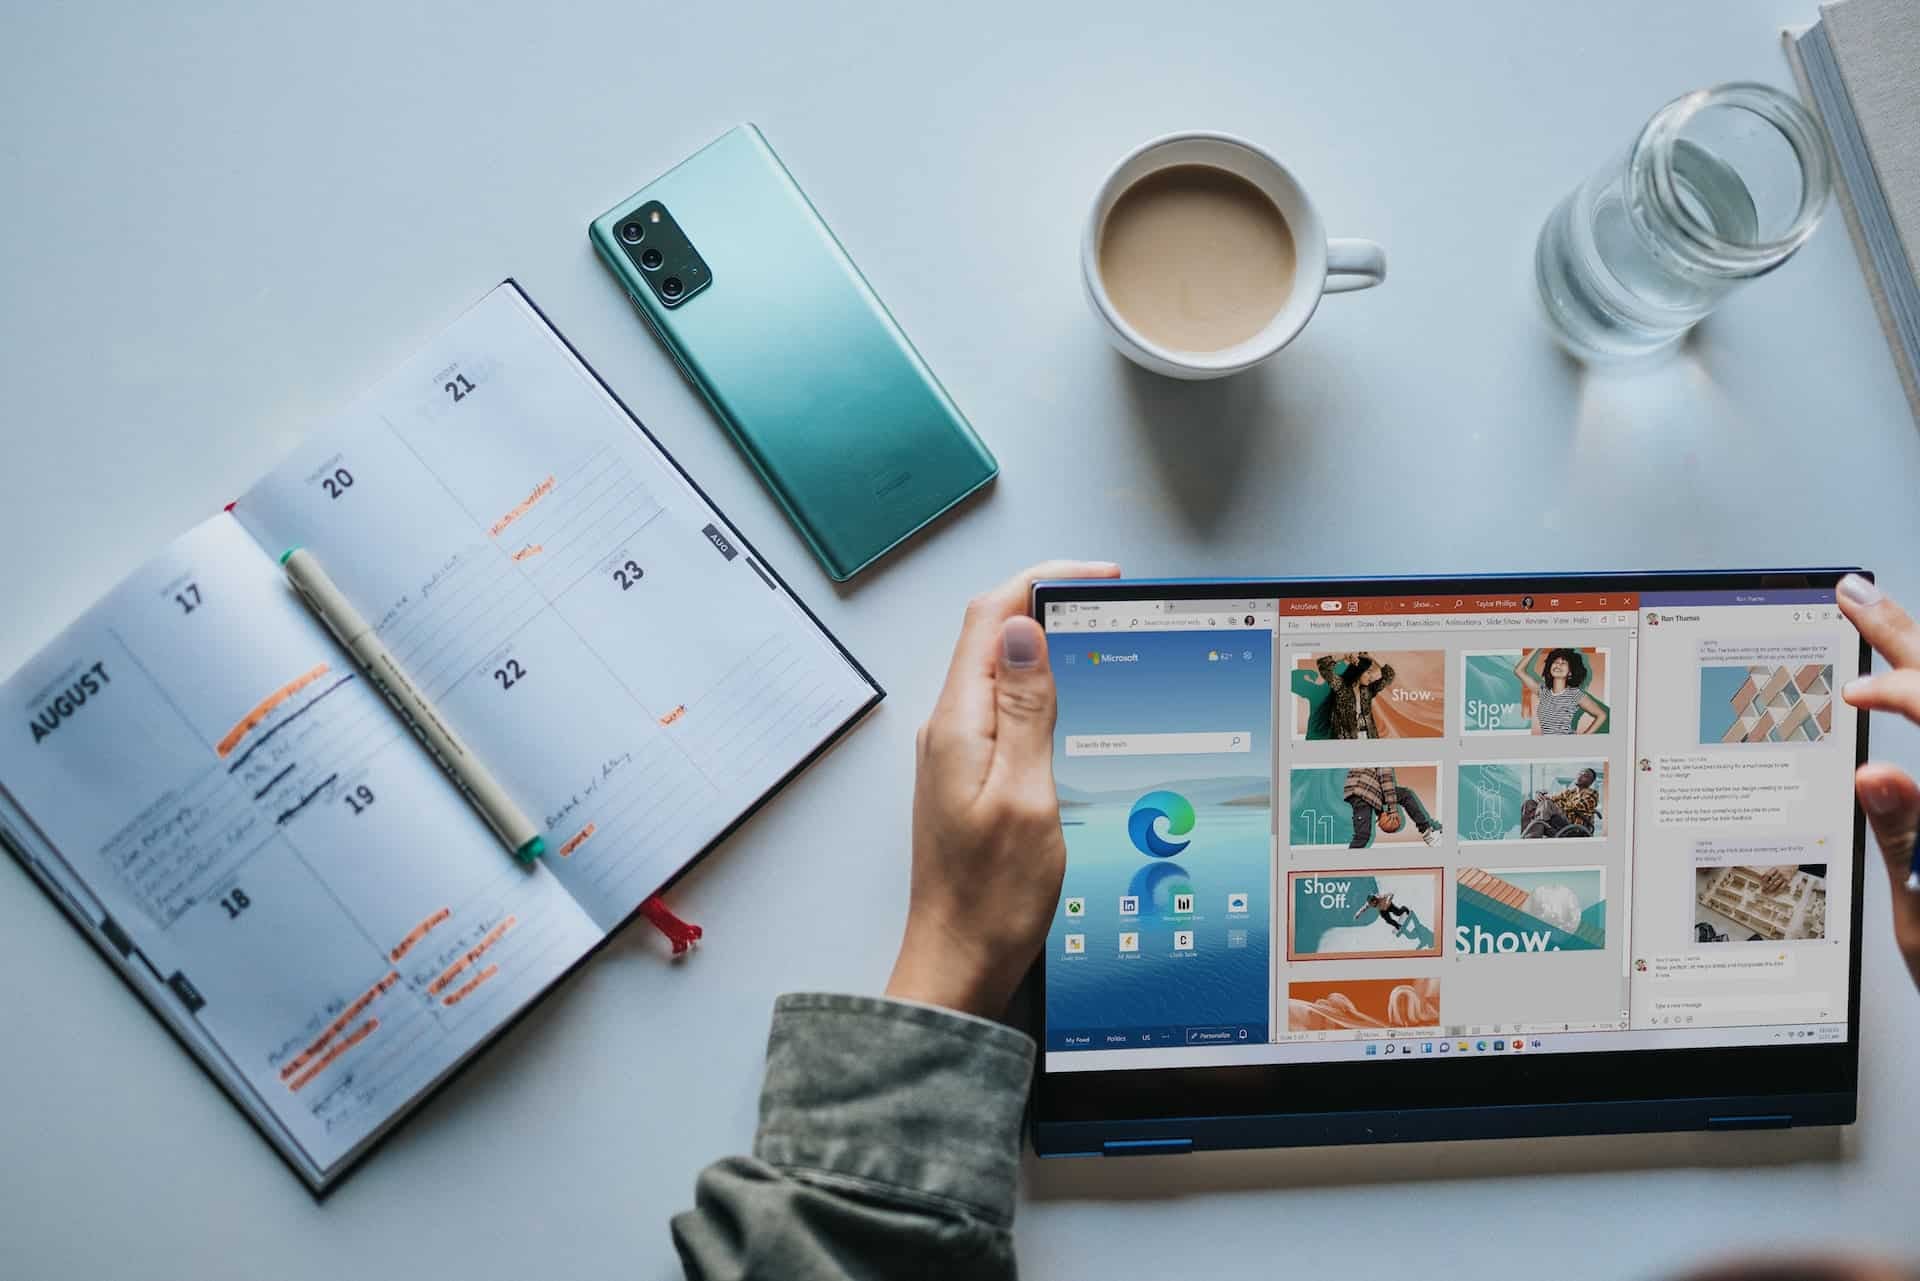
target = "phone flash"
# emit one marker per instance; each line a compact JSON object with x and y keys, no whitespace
{"x":654,"y":216}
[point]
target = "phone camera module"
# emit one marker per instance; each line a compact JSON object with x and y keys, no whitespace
{"x":656,"y":252}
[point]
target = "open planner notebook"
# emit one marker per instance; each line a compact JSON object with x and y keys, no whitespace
{"x":203,"y":779}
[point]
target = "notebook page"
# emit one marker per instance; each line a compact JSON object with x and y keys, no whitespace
{"x":565,"y":598}
{"x":262,"y":837}
{"x":44,"y":863}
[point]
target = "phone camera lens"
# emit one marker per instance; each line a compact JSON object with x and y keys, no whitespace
{"x":632,"y":232}
{"x":651,"y":259}
{"x":672,"y":287}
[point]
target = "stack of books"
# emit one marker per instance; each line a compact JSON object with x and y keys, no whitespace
{"x":1860,"y":68}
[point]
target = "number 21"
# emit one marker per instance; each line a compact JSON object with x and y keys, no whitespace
{"x":460,"y":388}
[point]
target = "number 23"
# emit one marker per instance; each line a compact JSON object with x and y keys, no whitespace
{"x":627,"y":575}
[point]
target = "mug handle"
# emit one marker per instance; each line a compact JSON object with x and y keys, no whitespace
{"x":1354,"y":264}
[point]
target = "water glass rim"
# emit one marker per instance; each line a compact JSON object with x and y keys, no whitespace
{"x":1656,"y":178}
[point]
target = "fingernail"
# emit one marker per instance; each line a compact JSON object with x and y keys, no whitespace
{"x":1854,"y":688}
{"x":1103,"y":566}
{"x":1859,"y":591}
{"x":1020,"y":645}
{"x":1881,"y":799}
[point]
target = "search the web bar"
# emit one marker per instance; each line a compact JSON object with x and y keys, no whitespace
{"x":1159,"y":744}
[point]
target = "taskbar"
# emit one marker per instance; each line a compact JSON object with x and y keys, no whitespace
{"x":1433,"y":1044}
{"x":1157,"y":1038}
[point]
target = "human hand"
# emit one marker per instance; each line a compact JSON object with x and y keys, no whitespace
{"x":1888,"y":793}
{"x":988,"y":856}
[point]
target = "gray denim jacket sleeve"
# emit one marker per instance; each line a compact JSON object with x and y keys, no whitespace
{"x":889,"y":1145}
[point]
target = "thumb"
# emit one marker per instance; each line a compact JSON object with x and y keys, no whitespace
{"x":1892,"y":801}
{"x":1024,"y":700}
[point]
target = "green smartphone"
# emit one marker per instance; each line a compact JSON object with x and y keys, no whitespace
{"x":767,"y":316}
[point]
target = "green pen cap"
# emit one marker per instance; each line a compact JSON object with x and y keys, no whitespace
{"x":287,"y":555}
{"x":532,"y":850}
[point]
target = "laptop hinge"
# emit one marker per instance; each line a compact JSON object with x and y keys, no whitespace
{"x":1144,"y":1147}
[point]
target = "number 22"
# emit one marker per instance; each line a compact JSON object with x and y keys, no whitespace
{"x":510,"y":674}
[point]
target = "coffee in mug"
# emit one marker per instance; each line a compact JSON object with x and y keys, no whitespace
{"x":1196,"y":258}
{"x":1203,"y":256}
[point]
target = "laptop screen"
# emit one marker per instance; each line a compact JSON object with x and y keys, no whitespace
{"x":1310,"y":829}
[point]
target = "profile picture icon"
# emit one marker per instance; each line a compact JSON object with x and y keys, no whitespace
{"x":1646,"y":765}
{"x":1249,"y":620}
{"x":1526,"y":602}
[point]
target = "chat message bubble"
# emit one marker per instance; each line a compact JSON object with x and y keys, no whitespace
{"x":1751,"y":790}
{"x":1770,"y":961}
{"x":1759,"y":851}
{"x":1790,"y":652}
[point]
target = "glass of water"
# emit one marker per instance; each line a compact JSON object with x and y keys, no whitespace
{"x":1721,"y":186}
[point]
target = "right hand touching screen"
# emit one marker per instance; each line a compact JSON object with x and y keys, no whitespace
{"x":1888,"y":793}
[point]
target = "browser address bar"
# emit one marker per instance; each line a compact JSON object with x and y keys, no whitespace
{"x":1159,"y":744}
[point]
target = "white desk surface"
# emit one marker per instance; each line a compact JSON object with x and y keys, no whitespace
{"x":219,"y":227}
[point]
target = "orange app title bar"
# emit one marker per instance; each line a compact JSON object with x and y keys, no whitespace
{"x":1520,"y":603}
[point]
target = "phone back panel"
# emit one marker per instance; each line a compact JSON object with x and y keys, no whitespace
{"x":801,"y":360}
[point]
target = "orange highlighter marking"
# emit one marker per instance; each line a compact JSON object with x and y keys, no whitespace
{"x":347,"y":1016}
{"x":358,"y":1035}
{"x":674,"y":715}
{"x":252,"y":719}
{"x":540,"y":491}
{"x":531,"y":549}
{"x":474,"y":953}
{"x":418,"y":932}
{"x":578,"y":839}
{"x":466,"y":989}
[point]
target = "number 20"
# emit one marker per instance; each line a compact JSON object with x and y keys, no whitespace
{"x":338,"y":483}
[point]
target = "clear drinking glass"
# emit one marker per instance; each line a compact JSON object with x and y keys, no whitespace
{"x":1721,"y":186}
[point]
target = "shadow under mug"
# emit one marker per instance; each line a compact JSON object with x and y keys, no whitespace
{"x":1321,"y":266}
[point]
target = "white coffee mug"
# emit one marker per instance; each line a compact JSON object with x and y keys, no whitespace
{"x":1321,"y":266}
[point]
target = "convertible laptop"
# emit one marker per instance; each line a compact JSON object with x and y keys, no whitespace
{"x":1404,"y":859}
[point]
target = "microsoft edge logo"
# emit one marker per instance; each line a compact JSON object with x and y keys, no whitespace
{"x":1175,"y":808}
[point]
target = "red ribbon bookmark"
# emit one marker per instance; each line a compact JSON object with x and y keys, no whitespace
{"x":682,"y":934}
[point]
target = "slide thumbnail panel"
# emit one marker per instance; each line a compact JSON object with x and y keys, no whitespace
{"x":1400,"y":693}
{"x":1374,"y":913}
{"x":1532,"y":800}
{"x":1500,"y":911}
{"x":1345,"y":1005}
{"x":1550,"y":689}
{"x":1357,"y":807}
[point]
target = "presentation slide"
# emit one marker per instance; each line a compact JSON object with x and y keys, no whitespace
{"x":1352,"y":915}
